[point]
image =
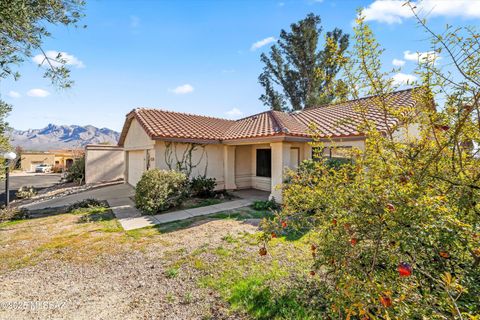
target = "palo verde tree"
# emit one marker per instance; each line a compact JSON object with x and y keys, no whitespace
{"x":304,"y":73}
{"x":396,"y":233}
{"x":23,"y":28}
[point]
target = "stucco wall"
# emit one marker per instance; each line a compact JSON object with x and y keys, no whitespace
{"x":30,"y":160}
{"x":206,"y":159}
{"x":137,"y":138}
{"x":243,"y":167}
{"x":103,"y":163}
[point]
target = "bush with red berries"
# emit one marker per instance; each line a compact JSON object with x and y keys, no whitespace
{"x":395,"y":233}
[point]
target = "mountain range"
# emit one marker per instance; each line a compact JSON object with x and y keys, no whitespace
{"x":62,"y":137}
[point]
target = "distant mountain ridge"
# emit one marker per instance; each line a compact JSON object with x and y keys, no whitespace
{"x":62,"y":137}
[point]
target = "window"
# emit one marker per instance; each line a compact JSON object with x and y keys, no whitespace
{"x":330,"y":152}
{"x":264,"y":163}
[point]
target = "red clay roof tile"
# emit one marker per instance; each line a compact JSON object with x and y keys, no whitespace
{"x":334,"y":120}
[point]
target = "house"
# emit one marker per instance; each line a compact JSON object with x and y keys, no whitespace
{"x":251,"y":152}
{"x":61,"y":159}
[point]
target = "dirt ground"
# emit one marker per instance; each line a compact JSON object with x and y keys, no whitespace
{"x":62,"y":268}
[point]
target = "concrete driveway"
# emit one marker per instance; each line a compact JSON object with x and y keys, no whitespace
{"x":112,"y":193}
{"x":39,"y":181}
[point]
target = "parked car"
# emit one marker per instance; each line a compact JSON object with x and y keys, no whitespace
{"x":43,"y":168}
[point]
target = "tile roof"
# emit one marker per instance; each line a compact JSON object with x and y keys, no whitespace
{"x":343,"y":119}
{"x":334,"y":120}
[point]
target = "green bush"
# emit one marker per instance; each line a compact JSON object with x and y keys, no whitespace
{"x":202,"y":186}
{"x":159,"y":190}
{"x":76,"y":173}
{"x":265,"y":205}
{"x":26,"y":192}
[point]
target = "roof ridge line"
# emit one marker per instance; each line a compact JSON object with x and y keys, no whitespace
{"x":277,"y":121}
{"x":285,"y":126}
{"x":325,"y":105}
{"x":255,"y":115}
{"x":180,"y":112}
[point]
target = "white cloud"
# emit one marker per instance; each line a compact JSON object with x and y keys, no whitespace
{"x":422,"y":57}
{"x":38,"y":93}
{"x":183,"y":89}
{"x":14,"y":94}
{"x":394,"y":11}
{"x":234,"y":113}
{"x":402,"y":79}
{"x":262,"y":43}
{"x":57,"y":59}
{"x":398,"y":62}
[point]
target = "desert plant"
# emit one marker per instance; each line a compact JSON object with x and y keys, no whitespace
{"x":86,"y":204}
{"x":76,"y":173}
{"x":202,"y":186}
{"x":13,"y":213}
{"x":26,"y":192}
{"x":395,"y":234}
{"x":58,"y":168}
{"x":159,"y":190}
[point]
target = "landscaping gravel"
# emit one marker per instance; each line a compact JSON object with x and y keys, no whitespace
{"x":133,"y":284}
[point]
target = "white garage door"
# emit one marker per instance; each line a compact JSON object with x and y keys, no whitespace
{"x":136,"y":166}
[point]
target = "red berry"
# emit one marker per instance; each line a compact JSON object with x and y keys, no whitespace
{"x":263,"y":251}
{"x":284,"y":224}
{"x":404,"y":269}
{"x":386,"y":301}
{"x":334,"y":222}
{"x":353,"y":241}
{"x":444,"y":254}
{"x":274,"y":235}
{"x":312,"y":273}
{"x":390,"y":207}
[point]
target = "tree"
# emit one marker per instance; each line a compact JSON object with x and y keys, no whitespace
{"x":22,"y":31}
{"x":305,"y":74}
{"x":400,"y":238}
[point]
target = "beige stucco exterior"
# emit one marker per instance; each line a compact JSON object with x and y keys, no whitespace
{"x":29,"y":160}
{"x":103,"y":163}
{"x":55,"y":158}
{"x":232,"y":164}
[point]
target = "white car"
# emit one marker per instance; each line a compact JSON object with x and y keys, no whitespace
{"x":43,"y":168}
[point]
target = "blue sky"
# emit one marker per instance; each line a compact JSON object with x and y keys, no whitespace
{"x":194,"y":56}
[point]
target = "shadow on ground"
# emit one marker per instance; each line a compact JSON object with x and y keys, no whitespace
{"x":246,"y":215}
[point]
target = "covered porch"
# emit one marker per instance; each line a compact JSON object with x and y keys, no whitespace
{"x":261,"y":165}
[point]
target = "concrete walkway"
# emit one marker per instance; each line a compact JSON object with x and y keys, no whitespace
{"x":130,"y":218}
{"x":119,"y":199}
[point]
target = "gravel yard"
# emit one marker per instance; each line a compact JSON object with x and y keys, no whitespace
{"x":59,"y":267}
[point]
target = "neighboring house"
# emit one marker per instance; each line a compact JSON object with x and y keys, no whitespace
{"x":61,"y":159}
{"x":248,"y":153}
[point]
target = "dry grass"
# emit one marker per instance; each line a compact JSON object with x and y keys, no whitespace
{"x":187,"y":269}
{"x":66,"y":237}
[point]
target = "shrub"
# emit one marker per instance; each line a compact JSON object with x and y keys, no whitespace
{"x":159,"y":190}
{"x":265,"y":205}
{"x":26,"y":192}
{"x":76,"y":173}
{"x":86,"y":204}
{"x":396,"y":233}
{"x":11,"y":213}
{"x":202,"y":186}
{"x":57,"y":169}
